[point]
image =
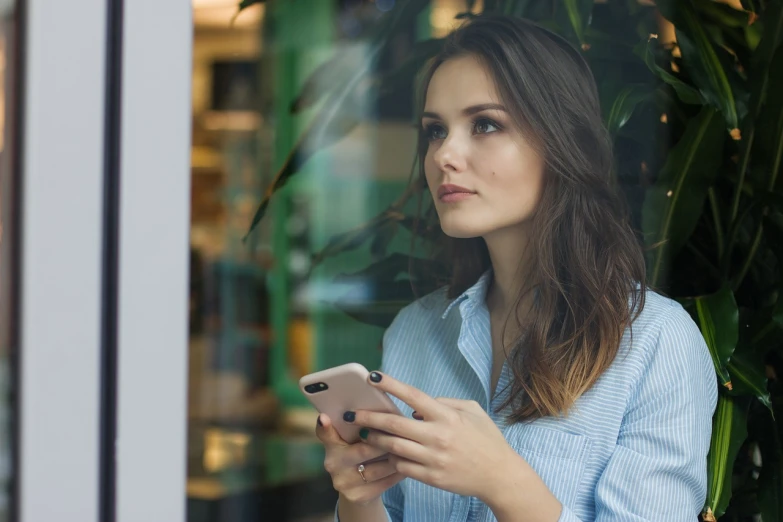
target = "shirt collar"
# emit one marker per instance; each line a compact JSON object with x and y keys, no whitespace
{"x":476,"y":294}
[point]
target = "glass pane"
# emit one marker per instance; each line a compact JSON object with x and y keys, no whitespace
{"x":263,"y":313}
{"x":313,"y":103}
{"x":9,"y":244}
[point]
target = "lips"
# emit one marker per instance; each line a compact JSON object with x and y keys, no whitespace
{"x":453,"y":192}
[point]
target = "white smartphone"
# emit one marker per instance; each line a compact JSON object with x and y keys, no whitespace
{"x":345,"y":388}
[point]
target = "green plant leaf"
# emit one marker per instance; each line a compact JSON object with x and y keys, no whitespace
{"x":381,"y":309}
{"x":708,"y":67}
{"x":605,"y":47}
{"x":578,"y":14}
{"x":381,"y":241}
{"x":770,"y":122}
{"x":405,"y":74}
{"x":326,"y":128}
{"x":388,"y":269}
{"x":722,"y":14}
{"x":392,"y":267}
{"x":718,"y":318}
{"x":357,"y":236}
{"x":750,"y":5}
{"x":428,"y":231}
{"x":673,"y":205}
{"x":244,"y":4}
{"x":762,"y":56}
{"x":624,"y":105}
{"x":729,"y":431}
{"x":758,"y":80}
{"x":334,"y":120}
{"x":379,"y":291}
{"x":686,"y":93}
{"x":748,"y":376}
{"x":328,"y":76}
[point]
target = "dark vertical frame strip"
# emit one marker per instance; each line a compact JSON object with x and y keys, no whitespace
{"x":110,"y":284}
{"x":19,"y":50}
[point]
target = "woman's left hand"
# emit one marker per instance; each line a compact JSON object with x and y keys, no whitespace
{"x":456,"y":447}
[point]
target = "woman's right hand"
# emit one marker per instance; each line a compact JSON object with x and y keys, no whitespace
{"x":342,"y":462}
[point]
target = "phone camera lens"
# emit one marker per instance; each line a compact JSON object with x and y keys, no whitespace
{"x":317,"y":387}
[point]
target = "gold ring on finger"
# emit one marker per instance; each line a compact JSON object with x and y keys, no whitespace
{"x":360,"y":469}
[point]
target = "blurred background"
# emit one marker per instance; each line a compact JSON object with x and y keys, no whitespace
{"x":303,"y":201}
{"x":261,"y":314}
{"x":303,"y":204}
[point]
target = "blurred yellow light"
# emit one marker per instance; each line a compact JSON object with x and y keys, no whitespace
{"x":219,"y":14}
{"x":199,"y":4}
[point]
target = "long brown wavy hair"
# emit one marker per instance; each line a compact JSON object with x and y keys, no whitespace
{"x":587,"y":270}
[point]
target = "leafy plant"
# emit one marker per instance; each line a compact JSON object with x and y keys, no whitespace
{"x":698,"y":132}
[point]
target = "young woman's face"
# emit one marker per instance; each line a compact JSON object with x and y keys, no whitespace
{"x":483,"y":174}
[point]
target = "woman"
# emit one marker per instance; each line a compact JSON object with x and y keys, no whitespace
{"x":526,"y":393}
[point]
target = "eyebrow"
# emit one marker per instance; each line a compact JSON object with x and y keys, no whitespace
{"x":469,"y":111}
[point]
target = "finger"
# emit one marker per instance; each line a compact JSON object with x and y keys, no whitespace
{"x":376,"y":471}
{"x":349,"y":477}
{"x":357,"y":453}
{"x":399,"y":446}
{"x":394,"y":424}
{"x":387,"y":482}
{"x":413,"y":397}
{"x":326,"y":432}
{"x":410,"y":468}
{"x":370,"y":490}
{"x":459,"y":404}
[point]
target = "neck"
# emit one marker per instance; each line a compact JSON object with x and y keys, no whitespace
{"x":510,"y":257}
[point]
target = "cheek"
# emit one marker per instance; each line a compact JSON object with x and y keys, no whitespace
{"x":430,"y":172}
{"x":518,"y":183}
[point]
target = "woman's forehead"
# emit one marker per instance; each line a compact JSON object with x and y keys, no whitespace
{"x":459,"y":83}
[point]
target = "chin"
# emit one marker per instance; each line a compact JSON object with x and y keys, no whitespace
{"x":457,"y":230}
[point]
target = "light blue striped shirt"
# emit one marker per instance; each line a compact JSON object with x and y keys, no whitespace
{"x":633,"y":447}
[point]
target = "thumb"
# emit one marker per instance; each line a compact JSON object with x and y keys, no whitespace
{"x":325,"y":431}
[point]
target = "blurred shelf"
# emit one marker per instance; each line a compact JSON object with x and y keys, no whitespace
{"x":242,"y":475}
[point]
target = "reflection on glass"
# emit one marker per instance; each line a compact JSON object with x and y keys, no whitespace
{"x":271,"y":307}
{"x":8,"y":183}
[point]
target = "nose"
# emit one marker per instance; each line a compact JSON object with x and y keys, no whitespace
{"x":450,"y":155}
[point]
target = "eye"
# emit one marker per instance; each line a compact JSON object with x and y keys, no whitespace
{"x":434,"y":131}
{"x":485,"y":126}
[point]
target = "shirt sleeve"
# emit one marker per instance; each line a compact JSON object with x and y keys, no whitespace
{"x":658,"y":470}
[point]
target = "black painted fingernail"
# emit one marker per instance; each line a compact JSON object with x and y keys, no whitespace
{"x":319,"y":422}
{"x":364,"y":432}
{"x":349,"y":416}
{"x":375,"y":377}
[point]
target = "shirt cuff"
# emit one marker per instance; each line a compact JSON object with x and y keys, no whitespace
{"x":566,"y":515}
